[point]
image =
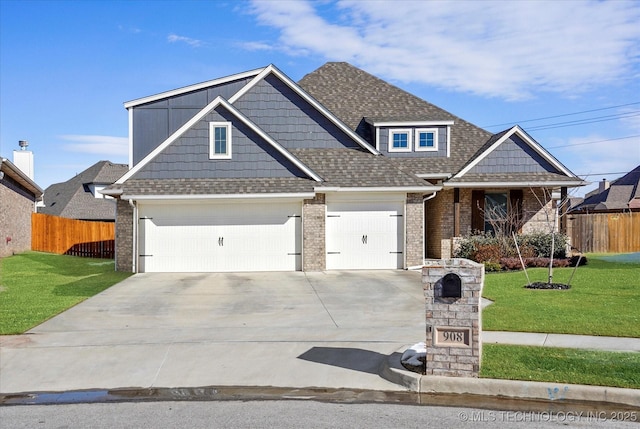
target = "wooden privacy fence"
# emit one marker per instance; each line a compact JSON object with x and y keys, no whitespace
{"x":64,"y":236}
{"x":606,"y":232}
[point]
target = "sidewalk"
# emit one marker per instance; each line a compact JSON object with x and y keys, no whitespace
{"x":617,"y":344}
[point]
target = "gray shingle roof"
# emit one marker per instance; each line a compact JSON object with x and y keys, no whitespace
{"x":511,"y":177}
{"x":217,"y":186}
{"x":354,"y":168}
{"x":353,"y":94}
{"x":73,"y":199}
{"x":621,"y":195}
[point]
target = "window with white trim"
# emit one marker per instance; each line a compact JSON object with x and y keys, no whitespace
{"x":427,"y":139}
{"x":219,"y":140}
{"x":399,"y":140}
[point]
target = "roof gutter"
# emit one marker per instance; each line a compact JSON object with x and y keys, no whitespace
{"x":569,"y":184}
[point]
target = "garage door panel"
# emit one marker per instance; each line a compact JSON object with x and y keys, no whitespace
{"x":220,"y":237}
{"x":365,"y":235}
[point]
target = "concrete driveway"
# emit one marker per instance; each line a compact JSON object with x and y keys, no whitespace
{"x":327,"y":329}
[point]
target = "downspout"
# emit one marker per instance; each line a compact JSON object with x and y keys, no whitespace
{"x":134,"y":242}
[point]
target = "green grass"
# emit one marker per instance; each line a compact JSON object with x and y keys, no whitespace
{"x":604,"y":299}
{"x":560,"y":365}
{"x":37,"y":286}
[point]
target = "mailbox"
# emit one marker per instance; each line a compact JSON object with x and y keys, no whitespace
{"x":452,"y":290}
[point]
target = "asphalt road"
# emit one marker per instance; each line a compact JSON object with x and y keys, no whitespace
{"x":283,"y":414}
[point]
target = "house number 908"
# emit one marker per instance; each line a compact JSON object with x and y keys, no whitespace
{"x":453,"y":336}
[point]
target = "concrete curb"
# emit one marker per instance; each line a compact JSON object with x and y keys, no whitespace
{"x":393,"y":371}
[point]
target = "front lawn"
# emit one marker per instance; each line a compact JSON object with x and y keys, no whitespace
{"x":603,"y":300}
{"x":561,"y":365}
{"x":37,"y":286}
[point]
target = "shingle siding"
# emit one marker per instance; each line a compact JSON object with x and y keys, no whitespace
{"x":188,"y":156}
{"x":513,"y":156}
{"x":289,"y":119}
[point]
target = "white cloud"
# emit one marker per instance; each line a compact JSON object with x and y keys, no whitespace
{"x":101,"y":145}
{"x":491,"y":48}
{"x":174,"y":38}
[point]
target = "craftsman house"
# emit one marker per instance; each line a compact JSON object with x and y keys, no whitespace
{"x":255,"y":172}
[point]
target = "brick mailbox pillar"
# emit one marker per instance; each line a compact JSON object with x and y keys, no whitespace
{"x":452,"y":291}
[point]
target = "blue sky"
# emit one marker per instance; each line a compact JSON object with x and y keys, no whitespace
{"x":568,"y":71}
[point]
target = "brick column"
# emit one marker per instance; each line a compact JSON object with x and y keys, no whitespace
{"x":452,"y":291}
{"x":414,"y":224}
{"x":124,"y":236}
{"x":314,"y":254}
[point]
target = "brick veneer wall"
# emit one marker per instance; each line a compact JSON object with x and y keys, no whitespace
{"x":439,"y":220}
{"x":314,"y":255}
{"x":414,"y":224}
{"x":16,"y":206}
{"x":124,"y":236}
{"x":536,"y":206}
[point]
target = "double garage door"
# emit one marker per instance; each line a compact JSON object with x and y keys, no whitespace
{"x":211,"y":237}
{"x":224,"y":237}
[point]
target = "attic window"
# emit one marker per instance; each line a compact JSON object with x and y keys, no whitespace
{"x":427,"y":139}
{"x":399,"y":140}
{"x":219,"y":140}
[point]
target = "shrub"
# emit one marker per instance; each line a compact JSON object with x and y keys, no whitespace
{"x":487,"y":253}
{"x":541,"y":244}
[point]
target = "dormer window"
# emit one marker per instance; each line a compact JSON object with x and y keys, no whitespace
{"x":219,"y":140}
{"x":427,"y":139}
{"x":400,"y":140}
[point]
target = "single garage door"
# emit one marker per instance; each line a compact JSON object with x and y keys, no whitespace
{"x":365,"y":235}
{"x":216,"y":237}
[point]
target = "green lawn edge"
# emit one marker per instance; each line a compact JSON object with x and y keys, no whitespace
{"x":35,"y":286}
{"x":603,"y":300}
{"x":561,"y":365}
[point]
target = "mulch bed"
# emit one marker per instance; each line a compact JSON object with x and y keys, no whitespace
{"x":540,"y":285}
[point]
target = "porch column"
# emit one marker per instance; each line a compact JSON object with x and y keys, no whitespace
{"x":456,"y":212}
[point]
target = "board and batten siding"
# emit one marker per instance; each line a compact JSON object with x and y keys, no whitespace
{"x":154,"y":122}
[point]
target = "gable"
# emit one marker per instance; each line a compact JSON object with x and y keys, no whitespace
{"x":155,"y":121}
{"x":188,"y":156}
{"x":290,"y":119}
{"x":513,"y":155}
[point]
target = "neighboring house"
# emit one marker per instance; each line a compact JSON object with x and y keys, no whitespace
{"x":255,"y":172}
{"x":18,"y":197}
{"x":80,"y":197}
{"x":621,"y":195}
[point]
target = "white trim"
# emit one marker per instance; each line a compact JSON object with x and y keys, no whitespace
{"x":280,"y":195}
{"x":419,"y":148}
{"x":392,"y":132}
{"x":448,"y":141}
{"x":191,"y":88}
{"x":323,"y":189}
{"x":302,"y":93}
{"x":212,"y":142}
{"x":512,"y":184}
{"x":130,"y":111}
{"x":411,"y":123}
{"x":527,"y":139}
{"x":377,"y":138}
{"x":199,"y":116}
